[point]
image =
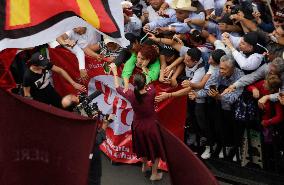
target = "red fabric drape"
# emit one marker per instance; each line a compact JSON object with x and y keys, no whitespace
{"x":6,"y":58}
{"x":40,"y":144}
{"x":184,"y":166}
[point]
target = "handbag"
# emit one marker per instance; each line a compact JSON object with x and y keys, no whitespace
{"x":245,"y":108}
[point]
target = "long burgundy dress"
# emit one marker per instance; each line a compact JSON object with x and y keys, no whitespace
{"x":146,"y":137}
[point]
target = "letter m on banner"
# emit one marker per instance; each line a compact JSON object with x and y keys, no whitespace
{"x":27,"y":23}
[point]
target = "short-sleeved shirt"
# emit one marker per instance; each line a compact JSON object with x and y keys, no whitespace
{"x":90,"y":37}
{"x":37,"y":81}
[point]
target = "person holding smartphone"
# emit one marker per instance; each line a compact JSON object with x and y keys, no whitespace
{"x":224,"y":125}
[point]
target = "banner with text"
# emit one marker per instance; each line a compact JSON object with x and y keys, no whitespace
{"x":118,"y":146}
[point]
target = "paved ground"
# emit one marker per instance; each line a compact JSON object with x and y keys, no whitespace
{"x":124,"y":174}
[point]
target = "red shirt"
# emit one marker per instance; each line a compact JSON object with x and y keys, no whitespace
{"x":273,"y":111}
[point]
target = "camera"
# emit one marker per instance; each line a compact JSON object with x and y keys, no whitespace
{"x":85,"y":108}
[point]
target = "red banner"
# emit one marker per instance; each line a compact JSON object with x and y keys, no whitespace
{"x":118,"y":145}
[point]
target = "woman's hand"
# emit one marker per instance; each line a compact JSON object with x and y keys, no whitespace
{"x":185,"y":83}
{"x":162,"y":96}
{"x":262,"y":101}
{"x":83,"y":74}
{"x":79,"y":87}
{"x":125,"y":89}
{"x":255,"y":93}
{"x":167,"y":69}
{"x":113,"y":69}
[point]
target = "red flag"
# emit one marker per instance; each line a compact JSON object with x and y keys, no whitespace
{"x":46,"y":20}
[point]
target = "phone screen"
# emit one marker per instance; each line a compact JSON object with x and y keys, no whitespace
{"x":213,"y":87}
{"x":144,"y":39}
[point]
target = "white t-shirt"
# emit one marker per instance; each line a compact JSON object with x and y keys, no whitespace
{"x":90,"y":37}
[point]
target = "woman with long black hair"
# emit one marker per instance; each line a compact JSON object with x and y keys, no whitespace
{"x":146,"y":138}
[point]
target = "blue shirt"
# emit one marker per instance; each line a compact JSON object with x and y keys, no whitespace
{"x":216,"y":79}
{"x":180,"y":27}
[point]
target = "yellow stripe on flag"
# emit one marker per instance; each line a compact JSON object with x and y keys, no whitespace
{"x":19,"y":12}
{"x":88,"y":13}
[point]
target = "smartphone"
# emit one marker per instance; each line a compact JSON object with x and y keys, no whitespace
{"x":153,"y":32}
{"x":213,"y":87}
{"x":144,"y":39}
{"x":254,"y":7}
{"x":166,"y":15}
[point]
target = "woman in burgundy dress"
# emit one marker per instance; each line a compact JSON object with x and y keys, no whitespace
{"x":146,"y":137}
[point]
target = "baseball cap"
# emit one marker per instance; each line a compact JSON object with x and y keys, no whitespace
{"x":38,"y":59}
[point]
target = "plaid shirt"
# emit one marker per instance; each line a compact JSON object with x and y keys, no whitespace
{"x":215,"y":79}
{"x":108,"y":53}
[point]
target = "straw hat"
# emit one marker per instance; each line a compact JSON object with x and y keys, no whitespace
{"x":183,"y":5}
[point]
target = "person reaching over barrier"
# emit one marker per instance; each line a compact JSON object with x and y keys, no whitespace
{"x":37,"y":80}
{"x":146,"y":139}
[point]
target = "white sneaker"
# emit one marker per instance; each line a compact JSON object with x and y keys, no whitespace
{"x":206,"y":154}
{"x":221,"y":154}
{"x":235,"y":158}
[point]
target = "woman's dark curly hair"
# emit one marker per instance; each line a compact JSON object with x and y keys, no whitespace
{"x":147,"y":51}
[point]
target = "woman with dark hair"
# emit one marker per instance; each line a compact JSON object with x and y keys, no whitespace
{"x":146,"y":138}
{"x":145,"y":57}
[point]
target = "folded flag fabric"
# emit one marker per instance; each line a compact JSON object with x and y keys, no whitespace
{"x":28,"y":23}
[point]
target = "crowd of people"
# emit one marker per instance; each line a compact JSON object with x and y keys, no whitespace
{"x":226,"y":56}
